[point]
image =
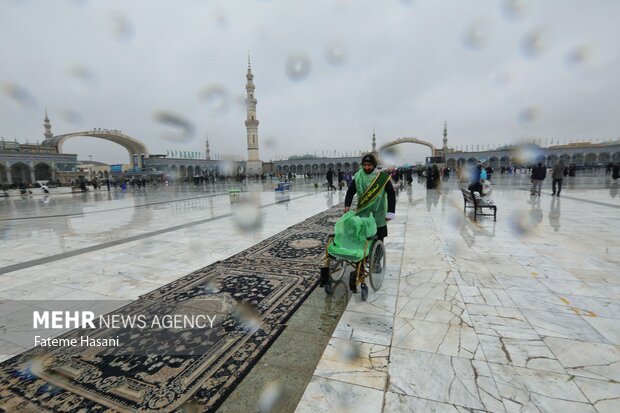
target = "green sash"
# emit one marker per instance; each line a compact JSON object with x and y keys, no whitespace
{"x":373,"y":193}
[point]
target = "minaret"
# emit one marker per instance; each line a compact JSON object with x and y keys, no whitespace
{"x":253,"y":165}
{"x":374,"y":141}
{"x":48,"y":127}
{"x":445,"y":138}
{"x":207,"y":151}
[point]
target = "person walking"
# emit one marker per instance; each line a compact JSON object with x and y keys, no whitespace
{"x":330,"y":179}
{"x":557,"y":174}
{"x":539,"y":173}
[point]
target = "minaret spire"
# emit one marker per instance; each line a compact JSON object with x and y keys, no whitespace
{"x":445,"y":137}
{"x":374,"y":141}
{"x":254,"y":166}
{"x":48,"y":127}
{"x":207,"y":150}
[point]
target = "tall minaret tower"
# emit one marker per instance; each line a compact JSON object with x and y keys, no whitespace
{"x":207,"y":151}
{"x":253,"y":165}
{"x":48,"y":127}
{"x":374,"y":142}
{"x":445,"y":138}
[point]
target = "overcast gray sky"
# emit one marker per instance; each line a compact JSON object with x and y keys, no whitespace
{"x":326,"y":72}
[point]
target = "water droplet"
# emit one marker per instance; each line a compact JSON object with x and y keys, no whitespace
{"x":270,"y":396}
{"x":216,"y":98}
{"x":71,"y":116}
{"x":348,"y":351}
{"x":178,"y":128}
{"x":122,"y":27}
{"x":529,"y":114}
{"x":335,"y":54}
{"x":513,"y":9}
{"x":298,"y":66}
{"x":19,"y":95}
{"x":577,"y":56}
{"x":247,"y":216}
{"x":476,"y":36}
{"x":532,"y":45}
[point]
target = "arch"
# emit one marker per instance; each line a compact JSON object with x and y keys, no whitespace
{"x":197,"y":170}
{"x":340,"y":166}
{"x":355,"y":166}
{"x":182,"y":172}
{"x":616,"y":157}
{"x":493,"y":162}
{"x":190,"y":171}
{"x":604,"y":158}
{"x":565,"y":158}
{"x":577,"y":158}
{"x":100,"y":175}
{"x":42,"y":172}
{"x":472,"y":161}
{"x":323,"y":168}
{"x":3,"y":174}
{"x":591,"y":159}
{"x":106,"y":174}
{"x":504,"y":161}
{"x":451,"y":163}
{"x":346,"y":166}
{"x":307,"y":168}
{"x":552,"y":160}
{"x":20,"y":173}
{"x":461,"y":161}
{"x":408,"y":140}
{"x":132,"y":145}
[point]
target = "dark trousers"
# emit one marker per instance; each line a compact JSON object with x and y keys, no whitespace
{"x":382,"y":232}
{"x":557,"y":182}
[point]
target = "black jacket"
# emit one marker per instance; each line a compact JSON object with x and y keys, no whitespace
{"x":539,"y":173}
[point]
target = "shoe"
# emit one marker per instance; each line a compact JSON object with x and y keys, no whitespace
{"x":558,"y":195}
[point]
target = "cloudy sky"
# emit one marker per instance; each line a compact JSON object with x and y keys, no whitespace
{"x":171,"y":73}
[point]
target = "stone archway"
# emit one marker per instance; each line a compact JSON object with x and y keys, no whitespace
{"x":136,"y":149}
{"x":408,"y":140}
{"x":20,"y":173}
{"x":42,"y":172}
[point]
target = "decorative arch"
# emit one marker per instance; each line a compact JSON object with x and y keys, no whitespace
{"x":20,"y":173}
{"x":42,"y":172}
{"x":132,"y":145}
{"x":407,"y":140}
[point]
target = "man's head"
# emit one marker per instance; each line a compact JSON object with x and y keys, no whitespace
{"x":369,"y":163}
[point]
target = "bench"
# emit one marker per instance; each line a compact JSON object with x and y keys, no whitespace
{"x":470,"y":201}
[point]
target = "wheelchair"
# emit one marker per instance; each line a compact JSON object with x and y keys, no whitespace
{"x":371,"y":267}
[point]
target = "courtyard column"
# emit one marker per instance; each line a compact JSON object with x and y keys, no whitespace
{"x":32,"y":177}
{"x":9,"y":178}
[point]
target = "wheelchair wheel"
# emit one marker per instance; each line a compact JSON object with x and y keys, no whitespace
{"x":364,"y":292}
{"x":376,"y":265}
{"x":336,"y":269}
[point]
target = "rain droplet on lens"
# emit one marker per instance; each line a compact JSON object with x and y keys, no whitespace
{"x":335,"y":54}
{"x":577,"y":56}
{"x":178,"y":128}
{"x":247,"y":216}
{"x":529,"y":114}
{"x":475,"y":37}
{"x":532,"y":45}
{"x":215,"y":97}
{"x":348,"y":351}
{"x":513,"y":9}
{"x":83,"y":74}
{"x":71,"y":116}
{"x":298,"y":66}
{"x":122,"y":27}
{"x":19,"y":95}
{"x":270,"y":396}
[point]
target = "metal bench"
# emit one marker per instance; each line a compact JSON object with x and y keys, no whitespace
{"x":470,"y":201}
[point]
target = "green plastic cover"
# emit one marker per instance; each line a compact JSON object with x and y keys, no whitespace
{"x":351,"y":232}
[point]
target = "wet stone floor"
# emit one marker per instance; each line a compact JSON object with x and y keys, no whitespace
{"x":518,"y":315}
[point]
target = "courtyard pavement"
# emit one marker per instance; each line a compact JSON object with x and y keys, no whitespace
{"x":515,"y":315}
